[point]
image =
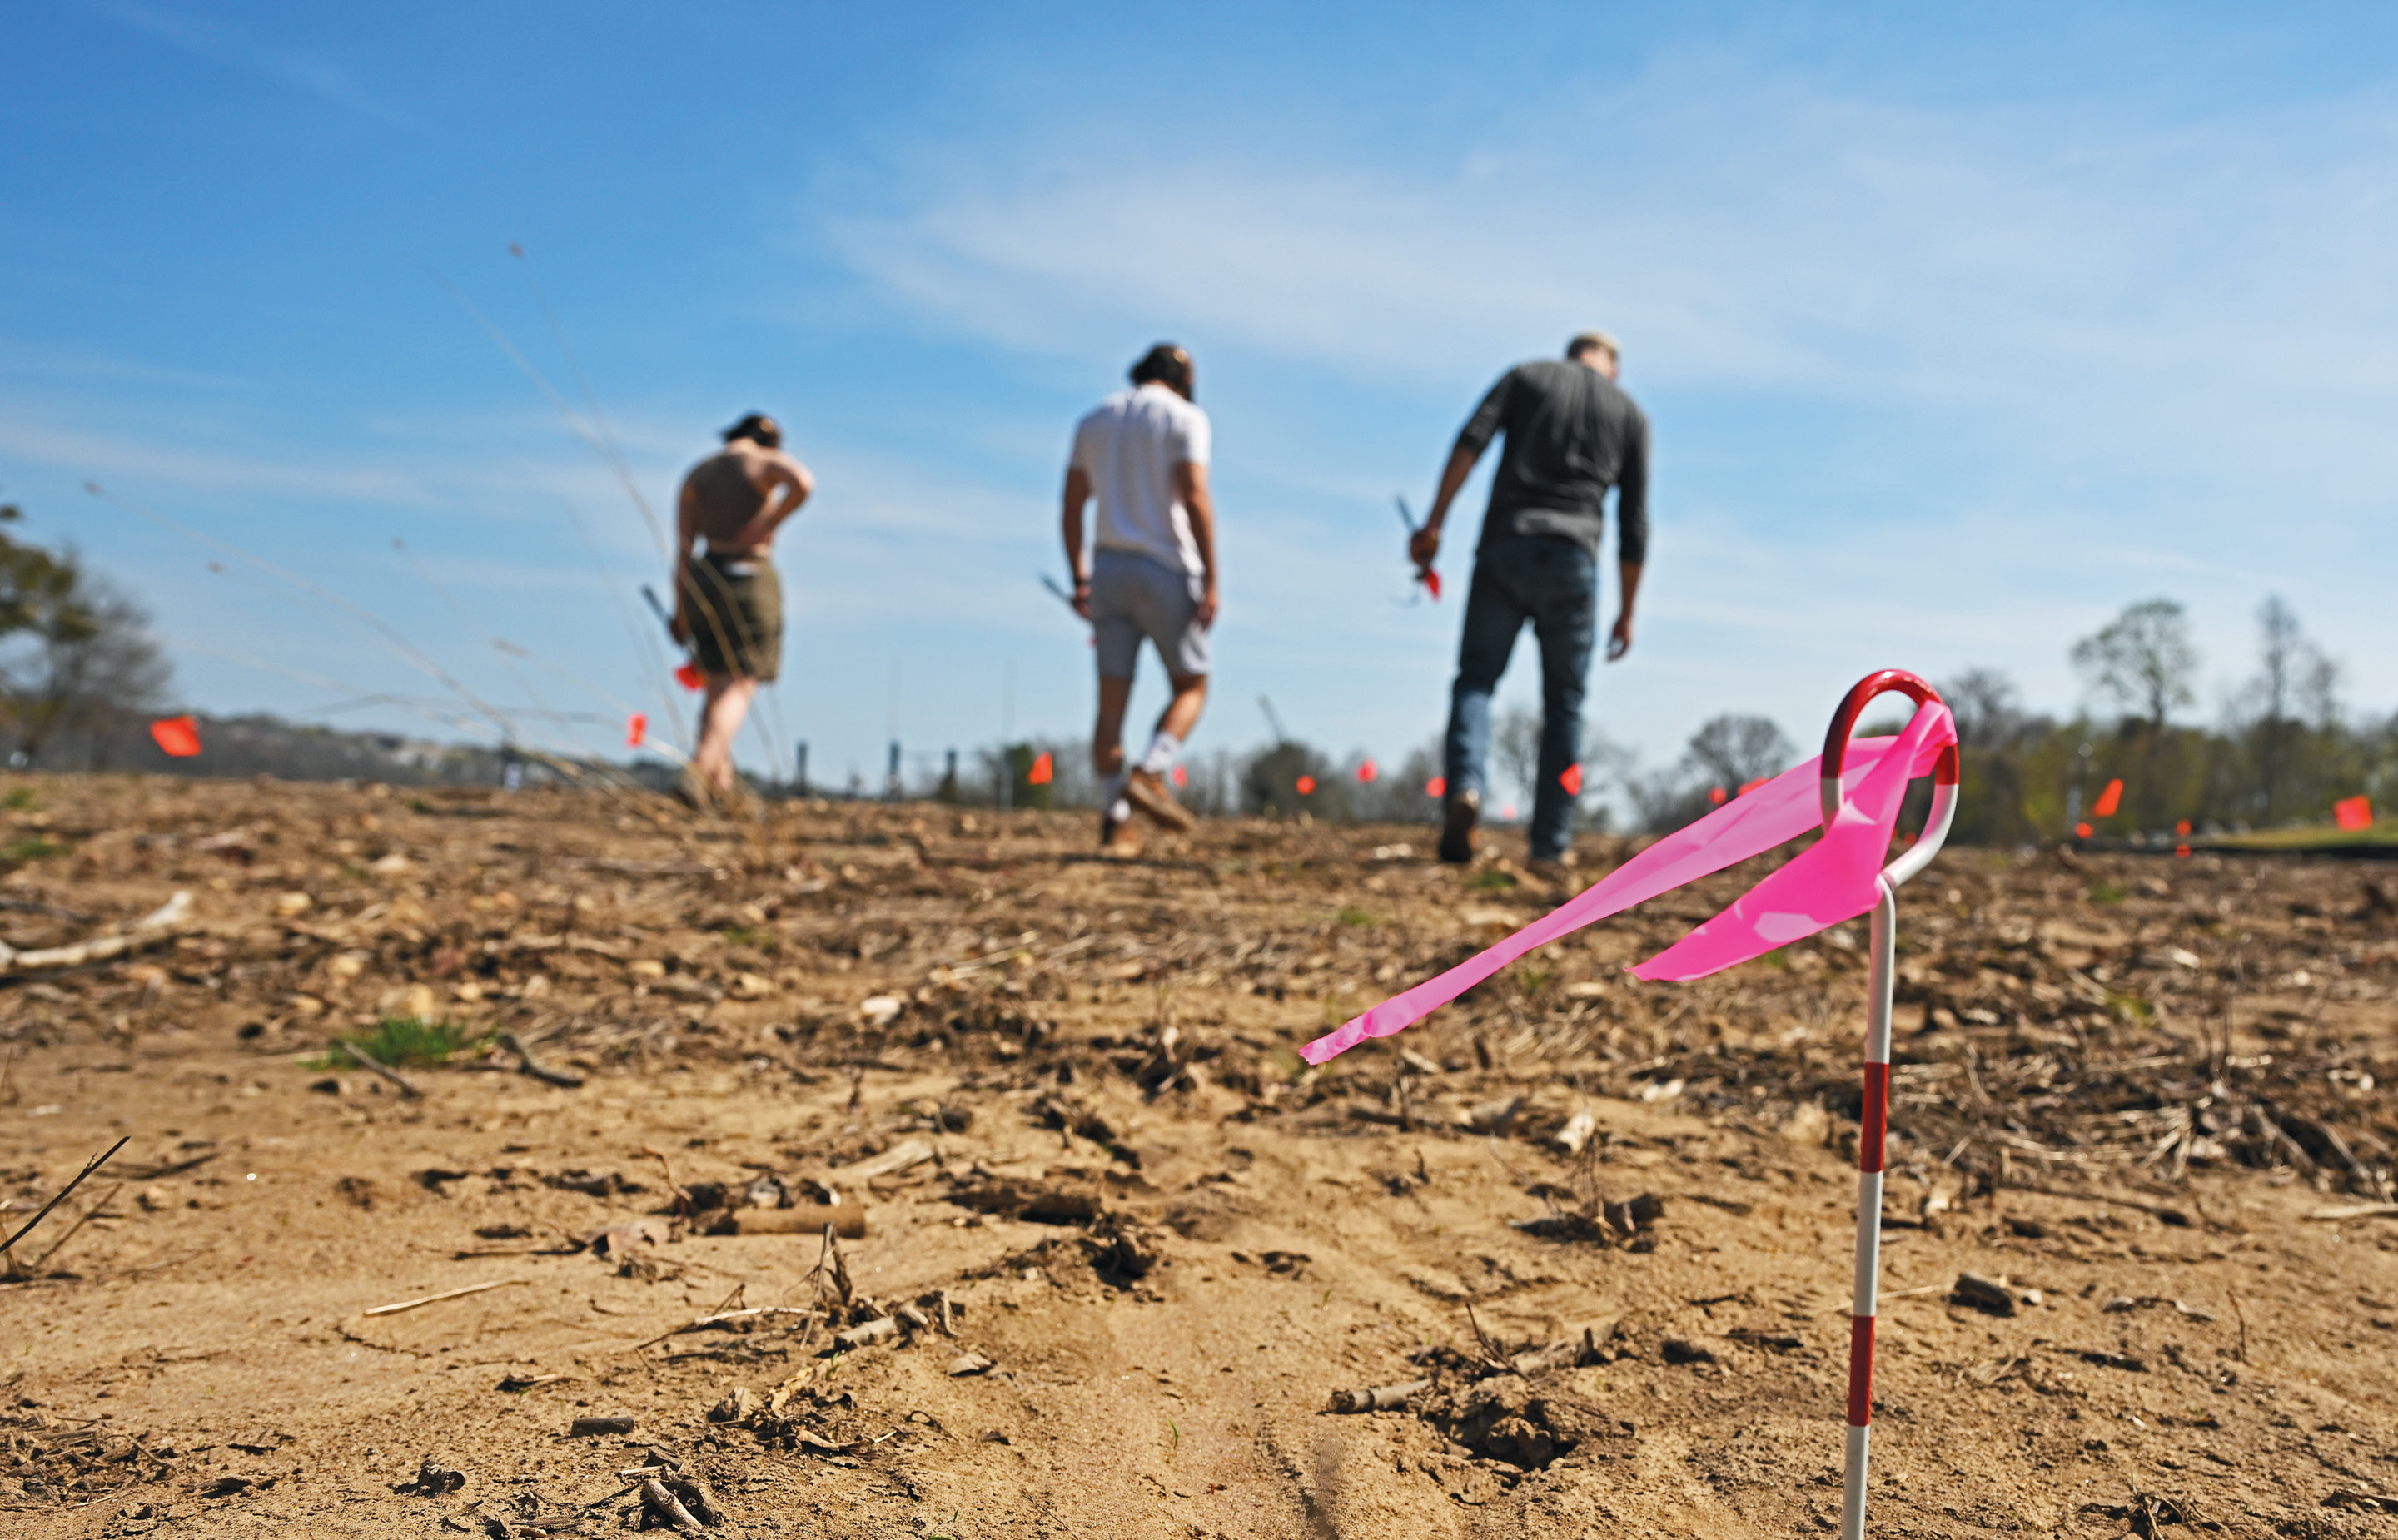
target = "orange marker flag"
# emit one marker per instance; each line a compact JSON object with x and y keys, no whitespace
{"x":1307,"y":785}
{"x":2083,"y":830}
{"x":1571,"y":780}
{"x":637,"y":728}
{"x":1715,"y":795}
{"x":1365,"y":773}
{"x":1437,"y":786}
{"x":1181,"y":778}
{"x":690,"y":677}
{"x":1748,"y":786}
{"x":2354,"y":812}
{"x":2109,"y":800}
{"x":1042,"y":770}
{"x":2182,"y":828}
{"x":179,"y":736}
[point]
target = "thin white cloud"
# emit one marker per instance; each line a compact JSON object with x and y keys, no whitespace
{"x":103,"y":456}
{"x":219,"y":43}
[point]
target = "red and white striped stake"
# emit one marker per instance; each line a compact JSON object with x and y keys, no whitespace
{"x":1873,"y":1118}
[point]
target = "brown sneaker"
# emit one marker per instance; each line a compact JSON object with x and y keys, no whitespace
{"x":1457,"y":841}
{"x":1148,"y":792}
{"x":1118,"y":841}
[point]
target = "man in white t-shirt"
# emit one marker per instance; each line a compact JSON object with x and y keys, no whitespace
{"x":1151,"y":572}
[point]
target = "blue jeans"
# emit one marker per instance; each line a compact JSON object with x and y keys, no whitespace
{"x":1553,"y":583}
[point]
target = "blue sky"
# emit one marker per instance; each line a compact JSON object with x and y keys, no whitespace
{"x":1958,"y":332}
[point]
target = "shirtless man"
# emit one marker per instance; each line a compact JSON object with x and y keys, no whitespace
{"x":728,"y":603}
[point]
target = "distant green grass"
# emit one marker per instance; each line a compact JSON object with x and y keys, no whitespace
{"x":2382,"y":834}
{"x":1490,"y":879}
{"x":398,"y":1040}
{"x":21,"y":800}
{"x":1354,"y":915}
{"x":33,"y":847}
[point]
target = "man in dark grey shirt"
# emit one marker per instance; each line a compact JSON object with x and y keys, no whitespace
{"x":1572,"y":435}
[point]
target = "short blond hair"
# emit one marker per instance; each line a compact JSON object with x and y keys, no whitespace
{"x":1585,"y":341}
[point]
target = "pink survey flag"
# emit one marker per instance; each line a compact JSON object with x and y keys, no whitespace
{"x":1833,"y":881}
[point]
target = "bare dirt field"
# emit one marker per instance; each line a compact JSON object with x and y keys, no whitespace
{"x":1120,"y":1249}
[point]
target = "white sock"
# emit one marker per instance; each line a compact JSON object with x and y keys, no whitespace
{"x":1162,"y":750}
{"x":1118,"y":808}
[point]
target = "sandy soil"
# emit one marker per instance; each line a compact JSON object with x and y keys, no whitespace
{"x":2130,"y":1089}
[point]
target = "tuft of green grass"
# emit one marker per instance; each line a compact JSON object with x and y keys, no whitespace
{"x":2104,"y":892}
{"x":1533,"y":979}
{"x":1490,"y":879}
{"x":21,"y":800}
{"x":33,"y":847}
{"x":398,"y":1040}
{"x":1352,"y":915}
{"x":742,"y":935}
{"x":2132,"y":1008}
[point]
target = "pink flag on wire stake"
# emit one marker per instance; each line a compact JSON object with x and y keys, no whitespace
{"x":1833,"y":881}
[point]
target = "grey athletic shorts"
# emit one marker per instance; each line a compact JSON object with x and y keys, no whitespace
{"x":1133,"y":596}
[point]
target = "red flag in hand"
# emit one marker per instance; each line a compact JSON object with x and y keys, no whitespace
{"x":690,"y":677}
{"x":1431,"y":583}
{"x":179,"y":736}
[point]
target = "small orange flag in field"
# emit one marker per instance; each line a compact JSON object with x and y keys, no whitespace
{"x":1365,"y":773}
{"x":2109,"y":800}
{"x":1181,"y":778}
{"x":2083,"y":830}
{"x":1570,"y":779}
{"x":1715,"y":795}
{"x":1307,"y":785}
{"x":179,"y":736}
{"x":2354,"y":812}
{"x":1748,"y":786}
{"x":1437,"y":786}
{"x":1042,"y":770}
{"x":690,"y":677}
{"x":637,"y":728}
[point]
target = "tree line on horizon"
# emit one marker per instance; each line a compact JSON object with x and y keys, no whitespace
{"x":81,"y":677}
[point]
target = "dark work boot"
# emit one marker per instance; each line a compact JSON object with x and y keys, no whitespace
{"x":1457,"y":828}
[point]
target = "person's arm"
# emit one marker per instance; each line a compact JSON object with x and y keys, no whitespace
{"x":686,"y":537}
{"x":788,"y":485}
{"x":1190,"y":486}
{"x":1475,"y":436}
{"x":1078,"y":491}
{"x":1631,"y":533}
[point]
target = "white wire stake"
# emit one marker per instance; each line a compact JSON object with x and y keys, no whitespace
{"x":1873,"y":1122}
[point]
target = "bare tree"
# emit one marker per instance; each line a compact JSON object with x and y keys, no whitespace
{"x":1982,"y":701}
{"x":1517,"y":745}
{"x":2296,"y":681}
{"x":1735,"y":749}
{"x":91,"y":660}
{"x":2143,"y":658}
